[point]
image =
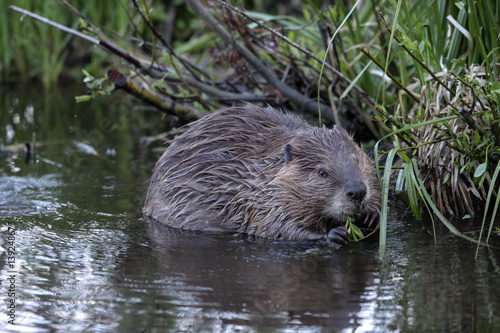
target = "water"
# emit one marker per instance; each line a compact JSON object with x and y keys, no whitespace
{"x":86,"y":261}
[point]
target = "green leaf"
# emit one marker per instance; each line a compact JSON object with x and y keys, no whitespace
{"x":385,"y":197}
{"x":495,"y":88}
{"x":83,"y":98}
{"x":446,"y":178}
{"x":411,"y":187}
{"x":477,"y":137}
{"x":480,"y":170}
{"x":356,"y":232}
{"x":87,"y":75}
{"x":487,"y":205}
{"x":421,"y":47}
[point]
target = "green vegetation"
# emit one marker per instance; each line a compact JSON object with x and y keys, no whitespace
{"x":33,"y":50}
{"x":445,"y":124}
{"x":427,"y":72}
{"x":354,"y":231}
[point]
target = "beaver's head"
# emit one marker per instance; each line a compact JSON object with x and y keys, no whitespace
{"x":327,"y":175}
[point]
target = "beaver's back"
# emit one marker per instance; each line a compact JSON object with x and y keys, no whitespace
{"x":230,"y":148}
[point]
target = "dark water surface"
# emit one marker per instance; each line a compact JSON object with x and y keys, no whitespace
{"x":86,"y":261}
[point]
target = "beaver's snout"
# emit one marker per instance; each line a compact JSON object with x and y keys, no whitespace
{"x":356,"y":192}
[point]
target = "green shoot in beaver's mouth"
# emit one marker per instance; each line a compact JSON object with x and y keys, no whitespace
{"x":354,"y":231}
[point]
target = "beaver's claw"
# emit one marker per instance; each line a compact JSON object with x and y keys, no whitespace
{"x":372,"y":220}
{"x":339,"y":235}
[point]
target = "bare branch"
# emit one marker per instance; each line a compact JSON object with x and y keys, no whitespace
{"x":184,"y":62}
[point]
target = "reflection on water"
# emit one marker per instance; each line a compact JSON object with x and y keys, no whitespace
{"x":263,"y":283}
{"x":87,"y":261}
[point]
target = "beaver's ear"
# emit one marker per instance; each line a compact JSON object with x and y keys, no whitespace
{"x":288,"y":153}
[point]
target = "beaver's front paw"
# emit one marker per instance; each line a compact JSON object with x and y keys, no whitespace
{"x":339,"y":235}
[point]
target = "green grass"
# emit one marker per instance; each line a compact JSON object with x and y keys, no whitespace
{"x":33,"y":50}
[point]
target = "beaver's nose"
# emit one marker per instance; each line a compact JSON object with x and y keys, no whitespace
{"x":356,"y":191}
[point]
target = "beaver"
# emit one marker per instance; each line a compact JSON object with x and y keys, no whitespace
{"x":264,"y":173}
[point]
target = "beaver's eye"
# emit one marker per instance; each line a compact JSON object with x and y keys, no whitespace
{"x":322,"y":173}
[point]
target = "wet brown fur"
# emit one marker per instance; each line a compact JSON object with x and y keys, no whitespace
{"x":228,"y":173}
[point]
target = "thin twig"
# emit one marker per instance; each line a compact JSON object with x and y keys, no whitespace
{"x":472,"y":91}
{"x":171,"y":51}
{"x":55,"y":25}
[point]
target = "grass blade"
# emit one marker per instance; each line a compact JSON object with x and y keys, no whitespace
{"x":385,"y":199}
